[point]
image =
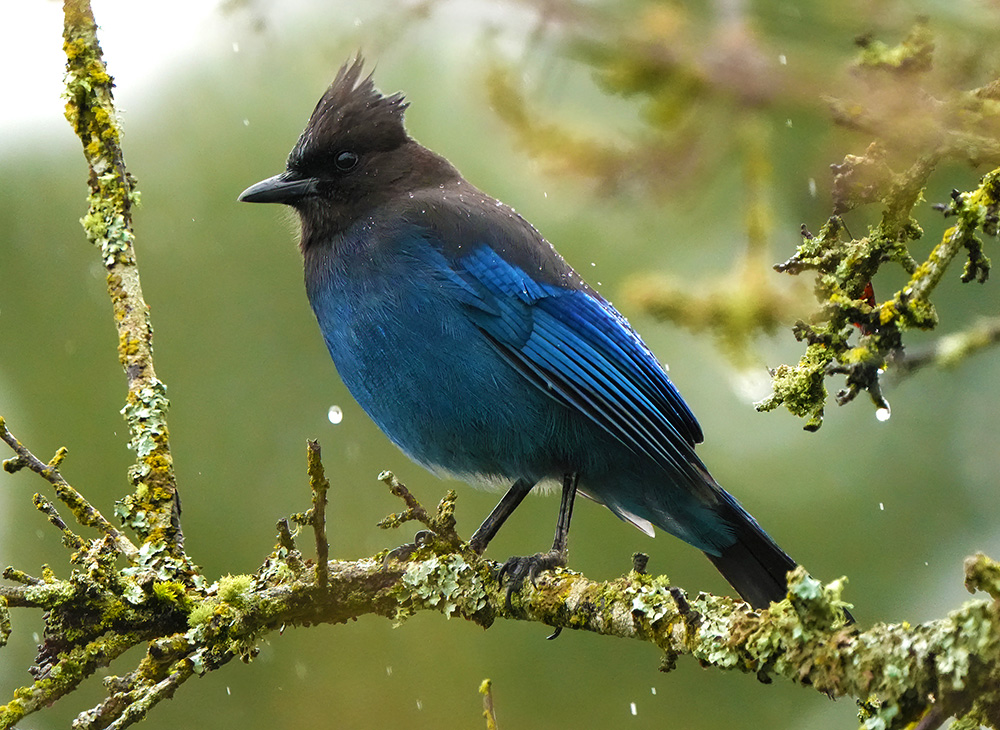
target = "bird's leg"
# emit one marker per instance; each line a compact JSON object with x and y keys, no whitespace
{"x":559,"y":542}
{"x":519,"y":568}
{"x":492,"y":524}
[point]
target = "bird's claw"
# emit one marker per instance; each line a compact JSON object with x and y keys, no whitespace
{"x":403,"y":552}
{"x":518,"y":568}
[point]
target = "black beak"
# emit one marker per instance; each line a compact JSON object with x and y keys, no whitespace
{"x":284,"y":188}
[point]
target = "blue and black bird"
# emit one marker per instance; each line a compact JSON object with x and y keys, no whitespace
{"x":482,"y":354}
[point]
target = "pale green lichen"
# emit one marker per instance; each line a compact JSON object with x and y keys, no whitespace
{"x":651,"y":598}
{"x":145,"y":414}
{"x":444,"y":583}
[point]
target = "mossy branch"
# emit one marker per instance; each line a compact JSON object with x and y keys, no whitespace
{"x":949,"y":666}
{"x":151,"y":508}
{"x":961,"y":127}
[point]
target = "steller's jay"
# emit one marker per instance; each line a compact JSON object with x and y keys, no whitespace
{"x":479,"y":351}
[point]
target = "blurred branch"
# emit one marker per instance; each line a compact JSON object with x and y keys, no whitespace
{"x":744,"y":303}
{"x":952,"y":350}
{"x":908,"y":124}
{"x":699,"y":83}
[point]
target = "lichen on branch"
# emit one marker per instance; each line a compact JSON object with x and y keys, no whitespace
{"x":90,"y":109}
{"x":854,"y":334}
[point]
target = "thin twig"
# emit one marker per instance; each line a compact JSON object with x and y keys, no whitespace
{"x":951,"y":350}
{"x":320,"y":485}
{"x":85,"y":513}
{"x":70,"y":538}
{"x":285,"y":538}
{"x":142,"y":702}
{"x":489,"y":712}
{"x":414,"y":510}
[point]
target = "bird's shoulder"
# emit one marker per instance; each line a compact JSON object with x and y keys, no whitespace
{"x":463,"y":223}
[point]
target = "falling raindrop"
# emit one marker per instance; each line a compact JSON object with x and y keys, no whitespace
{"x":335,"y":414}
{"x":632,"y":707}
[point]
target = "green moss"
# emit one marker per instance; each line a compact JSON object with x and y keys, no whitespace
{"x":235,"y":589}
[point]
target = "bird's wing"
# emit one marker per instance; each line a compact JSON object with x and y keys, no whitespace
{"x":578,"y":349}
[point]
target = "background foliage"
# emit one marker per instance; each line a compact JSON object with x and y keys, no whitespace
{"x":895,"y":506}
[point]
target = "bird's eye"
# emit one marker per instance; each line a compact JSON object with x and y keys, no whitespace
{"x":345,"y":161}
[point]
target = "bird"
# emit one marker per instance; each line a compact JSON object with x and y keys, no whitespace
{"x":483,"y":355}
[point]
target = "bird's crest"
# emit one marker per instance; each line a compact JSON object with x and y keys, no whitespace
{"x":351,"y":114}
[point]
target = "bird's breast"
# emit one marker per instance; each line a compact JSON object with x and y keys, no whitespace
{"x":424,"y":372}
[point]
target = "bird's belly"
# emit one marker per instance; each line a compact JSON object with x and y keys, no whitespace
{"x":435,"y":385}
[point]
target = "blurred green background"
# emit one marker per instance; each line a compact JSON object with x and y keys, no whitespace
{"x":895,"y":506}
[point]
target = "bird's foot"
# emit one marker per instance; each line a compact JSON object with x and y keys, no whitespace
{"x":516,"y":569}
{"x":403,"y":552}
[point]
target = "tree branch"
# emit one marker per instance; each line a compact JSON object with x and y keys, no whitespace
{"x":151,"y":509}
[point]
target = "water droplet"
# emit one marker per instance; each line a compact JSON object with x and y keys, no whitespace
{"x":881,"y":506}
{"x":236,"y":47}
{"x":229,"y":691}
{"x":782,"y":60}
{"x":652,"y":690}
{"x":335,"y":414}
{"x":388,"y":670}
{"x":420,"y":705}
{"x":632,"y":707}
{"x":883,"y":413}
{"x":812,"y":187}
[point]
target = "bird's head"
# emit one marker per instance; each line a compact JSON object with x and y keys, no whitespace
{"x":353,"y":156}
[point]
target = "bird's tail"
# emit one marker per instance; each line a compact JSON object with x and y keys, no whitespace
{"x":754,"y":564}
